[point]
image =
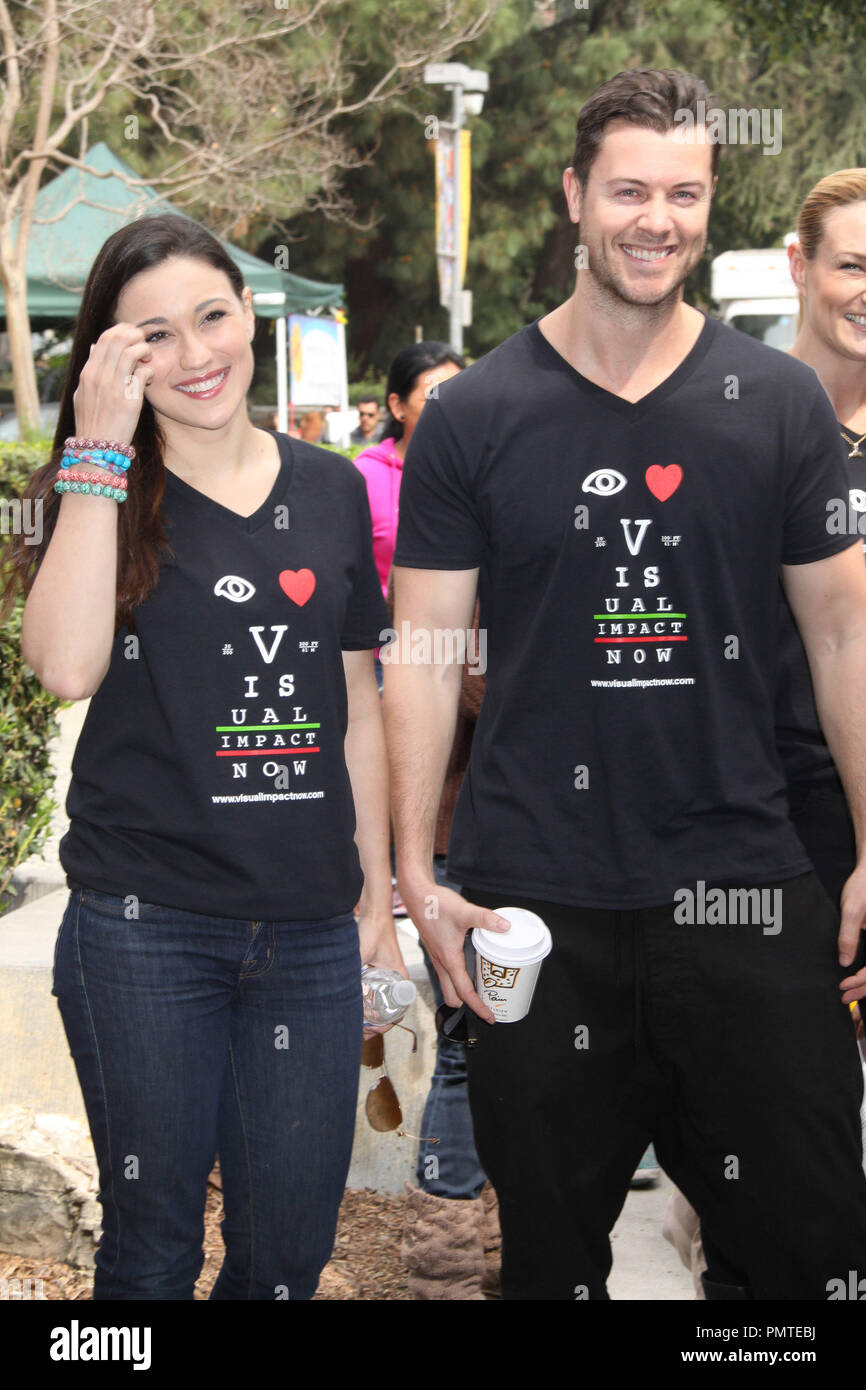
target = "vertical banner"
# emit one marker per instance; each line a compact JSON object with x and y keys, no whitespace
{"x":445,"y":208}
{"x":317,"y":360}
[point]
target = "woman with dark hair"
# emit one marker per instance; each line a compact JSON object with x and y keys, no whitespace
{"x":413,"y":376}
{"x":450,"y":1242}
{"x":211,"y":586}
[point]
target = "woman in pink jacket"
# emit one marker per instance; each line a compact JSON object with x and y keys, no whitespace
{"x":413,"y":377}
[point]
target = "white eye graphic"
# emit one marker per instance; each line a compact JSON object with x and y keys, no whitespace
{"x":604,"y":482}
{"x":857,"y":498}
{"x":233,"y":587}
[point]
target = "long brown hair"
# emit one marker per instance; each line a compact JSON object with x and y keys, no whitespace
{"x":141,"y":541}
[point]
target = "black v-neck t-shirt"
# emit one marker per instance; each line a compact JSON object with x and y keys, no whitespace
{"x":806,"y":758}
{"x":629,"y":559}
{"x":210,"y":773}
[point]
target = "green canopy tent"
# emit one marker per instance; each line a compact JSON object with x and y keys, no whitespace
{"x":75,"y":213}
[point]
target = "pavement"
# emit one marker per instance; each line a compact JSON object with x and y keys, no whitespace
{"x":38,"y":1071}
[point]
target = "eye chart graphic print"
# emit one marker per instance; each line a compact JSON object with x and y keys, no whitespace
{"x":640,"y":624}
{"x":269,"y":740}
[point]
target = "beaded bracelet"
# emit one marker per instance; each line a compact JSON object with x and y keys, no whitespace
{"x":95,"y":489}
{"x":113,"y":461}
{"x":76,"y":476}
{"x":72,"y":444}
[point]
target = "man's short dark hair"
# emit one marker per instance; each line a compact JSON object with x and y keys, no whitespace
{"x":647,"y":97}
{"x":369,"y":400}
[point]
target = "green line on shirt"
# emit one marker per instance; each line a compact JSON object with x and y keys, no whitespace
{"x":260,"y":728}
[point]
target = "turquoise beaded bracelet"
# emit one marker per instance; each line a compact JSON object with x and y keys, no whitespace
{"x":118,"y":463}
{"x":95,"y":489}
{"x":75,"y":444}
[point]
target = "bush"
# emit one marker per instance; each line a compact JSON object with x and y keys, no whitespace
{"x":27,"y":714}
{"x":372,"y":385}
{"x":350,"y":452}
{"x":18,"y":462}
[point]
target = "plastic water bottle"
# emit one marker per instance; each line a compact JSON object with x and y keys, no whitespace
{"x":387,"y":995}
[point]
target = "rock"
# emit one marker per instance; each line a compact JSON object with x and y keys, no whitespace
{"x":48,"y":1187}
{"x":336,"y":1283}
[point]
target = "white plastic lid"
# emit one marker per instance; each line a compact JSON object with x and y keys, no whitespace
{"x":528,"y":940}
{"x":404,"y":992}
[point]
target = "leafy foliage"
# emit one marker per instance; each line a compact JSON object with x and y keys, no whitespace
{"x":27,"y":715}
{"x":542,"y":66}
{"x":782,"y":28}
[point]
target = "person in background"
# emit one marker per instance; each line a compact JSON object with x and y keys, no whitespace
{"x":451,"y":1228}
{"x":414,"y":375}
{"x":828,"y":265}
{"x":369,"y":430}
{"x":311,"y":426}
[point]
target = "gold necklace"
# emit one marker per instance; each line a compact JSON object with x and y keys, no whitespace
{"x":856,"y":451}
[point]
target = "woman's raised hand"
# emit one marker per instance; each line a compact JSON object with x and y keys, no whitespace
{"x":110,"y":389}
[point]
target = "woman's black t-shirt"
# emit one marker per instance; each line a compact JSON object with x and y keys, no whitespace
{"x":210,"y":773}
{"x":803,"y":749}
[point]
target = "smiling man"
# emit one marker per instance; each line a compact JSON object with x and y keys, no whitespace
{"x":623,"y":481}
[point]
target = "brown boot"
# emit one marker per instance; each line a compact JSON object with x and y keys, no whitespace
{"x":491,"y":1240}
{"x":442,"y":1247}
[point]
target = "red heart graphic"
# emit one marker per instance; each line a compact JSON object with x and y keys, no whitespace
{"x":298,"y":584}
{"x":663,"y":482}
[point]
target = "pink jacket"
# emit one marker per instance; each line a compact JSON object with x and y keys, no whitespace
{"x":382,"y":468}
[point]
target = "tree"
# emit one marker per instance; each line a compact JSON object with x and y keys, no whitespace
{"x":783,"y":28}
{"x":247,"y":105}
{"x":543,"y":64}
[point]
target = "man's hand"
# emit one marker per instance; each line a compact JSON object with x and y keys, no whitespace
{"x":379,"y":946}
{"x":853,"y":922}
{"x":443,"y":918}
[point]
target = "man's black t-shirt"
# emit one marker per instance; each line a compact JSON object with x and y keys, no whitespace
{"x":802,"y":747}
{"x":210,"y":772}
{"x":629,"y":558}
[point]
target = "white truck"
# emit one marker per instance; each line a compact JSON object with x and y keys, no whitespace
{"x":755,"y":293}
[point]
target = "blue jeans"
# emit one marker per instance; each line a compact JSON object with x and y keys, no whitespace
{"x":449,"y":1168}
{"x":199,"y":1036}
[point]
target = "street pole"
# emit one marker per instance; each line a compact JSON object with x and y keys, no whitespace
{"x":282,"y":374}
{"x":456,"y":319}
{"x":468,"y":86}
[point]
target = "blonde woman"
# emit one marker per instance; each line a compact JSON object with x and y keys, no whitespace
{"x":828,"y":266}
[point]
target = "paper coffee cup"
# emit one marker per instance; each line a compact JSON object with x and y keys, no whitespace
{"x":507,"y":963}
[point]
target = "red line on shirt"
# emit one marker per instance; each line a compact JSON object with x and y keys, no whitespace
{"x":640,"y":639}
{"x":265,"y":752}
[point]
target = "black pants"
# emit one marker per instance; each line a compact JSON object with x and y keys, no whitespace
{"x":727,"y":1046}
{"x":820,"y":816}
